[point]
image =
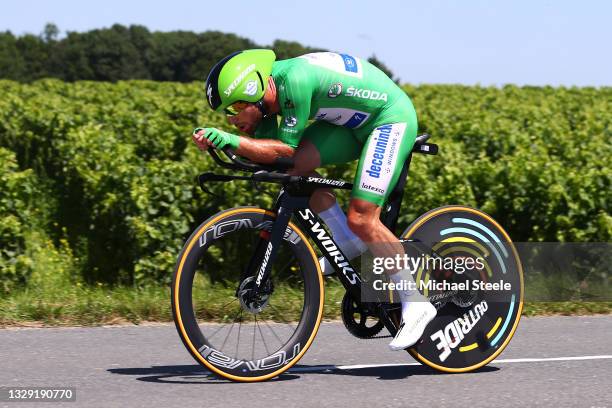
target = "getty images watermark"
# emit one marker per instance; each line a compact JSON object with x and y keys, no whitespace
{"x":465,"y":270}
{"x":448,"y":266}
{"x":457,"y":271}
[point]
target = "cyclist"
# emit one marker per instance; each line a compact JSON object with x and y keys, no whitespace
{"x":357,"y":112}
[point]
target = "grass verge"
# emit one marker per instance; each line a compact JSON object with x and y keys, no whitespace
{"x":96,"y":305}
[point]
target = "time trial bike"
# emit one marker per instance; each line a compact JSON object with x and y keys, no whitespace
{"x":248,"y":291}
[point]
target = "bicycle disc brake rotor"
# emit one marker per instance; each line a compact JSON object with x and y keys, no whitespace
{"x":249,"y":301}
{"x":358,"y":322}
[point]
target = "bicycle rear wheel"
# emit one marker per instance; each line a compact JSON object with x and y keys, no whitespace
{"x":234,"y":335}
{"x":475,"y":323}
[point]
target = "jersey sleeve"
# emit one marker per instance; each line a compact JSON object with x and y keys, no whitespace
{"x":295,"y":95}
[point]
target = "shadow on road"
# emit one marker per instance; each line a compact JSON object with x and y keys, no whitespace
{"x":195,"y":374}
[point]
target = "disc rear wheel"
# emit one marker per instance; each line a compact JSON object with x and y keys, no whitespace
{"x":479,"y":308}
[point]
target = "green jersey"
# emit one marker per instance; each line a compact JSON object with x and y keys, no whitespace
{"x":348,"y":109}
{"x":335,"y":88}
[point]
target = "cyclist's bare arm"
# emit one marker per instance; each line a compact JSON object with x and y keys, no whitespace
{"x":263,"y":150}
{"x":258,"y":150}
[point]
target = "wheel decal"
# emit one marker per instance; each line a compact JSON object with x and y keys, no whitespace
{"x":492,"y":331}
{"x":485,"y":229}
{"x":505,"y":326}
{"x":489,"y":335}
{"x":468,"y":348}
{"x":458,"y":230}
{"x":462,"y":239}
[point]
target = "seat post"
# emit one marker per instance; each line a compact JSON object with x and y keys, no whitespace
{"x":390,"y":212}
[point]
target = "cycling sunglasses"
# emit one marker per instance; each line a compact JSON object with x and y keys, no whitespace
{"x":239,"y":106}
{"x":236,"y":108}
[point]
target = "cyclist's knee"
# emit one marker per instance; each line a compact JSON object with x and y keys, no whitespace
{"x":362,"y":218}
{"x":322,"y":199}
{"x":306,"y":158}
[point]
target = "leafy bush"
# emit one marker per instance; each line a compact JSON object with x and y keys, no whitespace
{"x":17,"y":193}
{"x":117,"y":164}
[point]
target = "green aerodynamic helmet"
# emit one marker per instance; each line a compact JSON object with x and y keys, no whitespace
{"x":239,"y":77}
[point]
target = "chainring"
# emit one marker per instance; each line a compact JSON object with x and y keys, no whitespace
{"x":358,"y":321}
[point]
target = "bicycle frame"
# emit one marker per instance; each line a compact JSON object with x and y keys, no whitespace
{"x":293,"y":201}
{"x":292,"y":220}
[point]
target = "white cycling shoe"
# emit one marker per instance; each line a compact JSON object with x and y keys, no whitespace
{"x":414,"y":321}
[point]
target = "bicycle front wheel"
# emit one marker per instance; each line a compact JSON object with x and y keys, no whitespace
{"x":232,"y":333}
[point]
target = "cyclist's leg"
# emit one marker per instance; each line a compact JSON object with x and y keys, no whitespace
{"x":319,"y":147}
{"x":385,"y":151}
{"x":380,"y":165}
{"x":387,"y":146}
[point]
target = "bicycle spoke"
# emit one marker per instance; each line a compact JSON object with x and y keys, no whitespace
{"x":281,"y":270}
{"x":230,"y":330}
{"x":228,"y":303}
{"x":280,"y":316}
{"x":222,"y":326}
{"x":273,"y":332}
{"x":239,"y":327}
{"x":253,"y":349}
{"x":262,"y":337}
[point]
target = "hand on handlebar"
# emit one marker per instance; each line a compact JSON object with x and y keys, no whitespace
{"x":200,"y":140}
{"x":206,"y":137}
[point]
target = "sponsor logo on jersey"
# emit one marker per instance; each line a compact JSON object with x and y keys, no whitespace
{"x":356,"y":120}
{"x":330,"y":118}
{"x":374,"y":189}
{"x":376,"y":161}
{"x":366,"y":94}
{"x":349,"y":118}
{"x":334,"y":90}
{"x":228,"y":91}
{"x":350,"y":64}
{"x":381,"y":157}
{"x":340,"y":63}
{"x":251,"y":88}
{"x":290,"y":121}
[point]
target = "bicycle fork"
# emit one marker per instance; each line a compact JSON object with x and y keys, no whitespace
{"x":260,"y":264}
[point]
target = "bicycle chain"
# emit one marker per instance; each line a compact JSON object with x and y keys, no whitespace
{"x":388,"y":336}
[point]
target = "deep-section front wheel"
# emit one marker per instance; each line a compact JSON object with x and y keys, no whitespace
{"x":473,"y":275}
{"x":227,"y":327}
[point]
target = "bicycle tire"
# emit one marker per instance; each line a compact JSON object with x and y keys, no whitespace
{"x":482,"y":344}
{"x":221,"y":226}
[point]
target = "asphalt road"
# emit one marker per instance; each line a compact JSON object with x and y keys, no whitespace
{"x":551,"y":362}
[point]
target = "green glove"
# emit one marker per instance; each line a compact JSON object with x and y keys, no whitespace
{"x":219,"y":138}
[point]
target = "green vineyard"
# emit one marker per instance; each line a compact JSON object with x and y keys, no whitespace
{"x":97,"y":179}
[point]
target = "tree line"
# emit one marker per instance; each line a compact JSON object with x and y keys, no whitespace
{"x":121,"y":53}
